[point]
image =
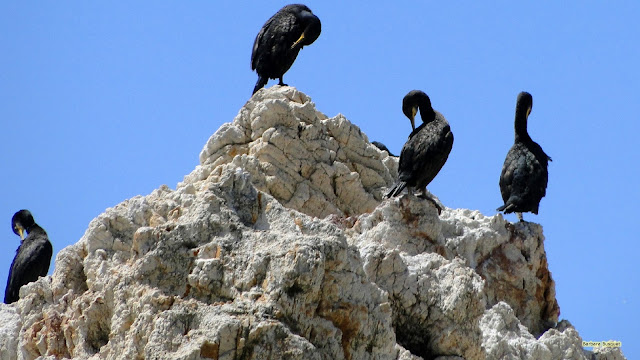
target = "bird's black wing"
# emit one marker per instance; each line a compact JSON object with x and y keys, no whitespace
{"x":275,"y":39}
{"x":410,"y":150}
{"x":425,"y":153}
{"x":405,"y":164}
{"x":523,"y":181}
{"x":511,"y":164}
{"x":540,"y":174}
{"x":11,"y":292}
{"x":257,"y":43}
{"x":32,"y":260}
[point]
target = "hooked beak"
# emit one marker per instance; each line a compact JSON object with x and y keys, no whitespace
{"x":414,"y":111}
{"x":21,"y":232}
{"x":298,"y":41}
{"x":528,"y":111}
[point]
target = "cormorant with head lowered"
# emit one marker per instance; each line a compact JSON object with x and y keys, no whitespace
{"x":427,"y":149}
{"x":523,"y":181}
{"x":279,"y":41}
{"x":32,"y":257}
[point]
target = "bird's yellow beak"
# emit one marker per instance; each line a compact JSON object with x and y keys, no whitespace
{"x":298,"y":41}
{"x":414,"y":111}
{"x":21,"y":232}
{"x":528,"y":111}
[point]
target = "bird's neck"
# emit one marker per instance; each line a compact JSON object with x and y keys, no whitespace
{"x":427,"y":113}
{"x":33,"y":228}
{"x":521,"y":127}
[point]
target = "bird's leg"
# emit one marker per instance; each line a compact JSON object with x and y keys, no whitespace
{"x":281,"y":83}
{"x":423,"y":194}
{"x":519,"y":215}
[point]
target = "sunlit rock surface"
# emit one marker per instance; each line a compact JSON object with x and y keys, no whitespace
{"x":279,"y":245}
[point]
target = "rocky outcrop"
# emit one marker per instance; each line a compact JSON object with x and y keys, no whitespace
{"x":308,"y":162}
{"x":280,"y":246}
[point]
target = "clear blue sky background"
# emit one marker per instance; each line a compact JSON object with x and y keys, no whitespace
{"x":102,"y":101}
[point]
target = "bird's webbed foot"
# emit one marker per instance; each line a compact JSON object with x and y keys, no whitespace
{"x":281,"y":83}
{"x":423,"y":195}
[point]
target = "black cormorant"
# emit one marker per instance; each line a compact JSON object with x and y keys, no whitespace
{"x":279,"y":41}
{"x":523,"y":181}
{"x":32,"y":257}
{"x":382,"y":147}
{"x":427,"y":149}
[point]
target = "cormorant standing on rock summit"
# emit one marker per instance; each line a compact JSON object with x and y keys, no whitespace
{"x":279,"y":41}
{"x":32,"y":257}
{"x":523,"y":181}
{"x":427,"y":149}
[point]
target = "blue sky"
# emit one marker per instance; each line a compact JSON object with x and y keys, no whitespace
{"x":100,"y":102}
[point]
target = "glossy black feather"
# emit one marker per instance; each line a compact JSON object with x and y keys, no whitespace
{"x":524,"y":176}
{"x":273,"y":49}
{"x":32,"y":259}
{"x":427,"y":149}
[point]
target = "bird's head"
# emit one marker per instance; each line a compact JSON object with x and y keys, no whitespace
{"x":21,"y":221}
{"x":524,"y":104}
{"x":413,"y":101}
{"x":312,"y":28}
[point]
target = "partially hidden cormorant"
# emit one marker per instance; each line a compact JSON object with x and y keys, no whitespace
{"x":523,"y":181}
{"x":279,"y":41}
{"x":32,"y":257}
{"x":382,"y":147}
{"x":427,"y":149}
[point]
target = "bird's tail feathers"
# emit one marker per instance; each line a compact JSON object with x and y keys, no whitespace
{"x":396,"y":189}
{"x":506,"y":208}
{"x":262,"y":81}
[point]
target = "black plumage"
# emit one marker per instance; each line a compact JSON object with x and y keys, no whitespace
{"x":279,"y":41}
{"x":523,"y":181}
{"x":32,"y":257}
{"x":382,"y":147}
{"x":427,"y":149}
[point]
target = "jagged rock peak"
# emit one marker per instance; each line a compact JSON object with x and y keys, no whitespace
{"x":307,"y":161}
{"x":241,"y":263}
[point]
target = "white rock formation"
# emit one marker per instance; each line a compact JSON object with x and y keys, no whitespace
{"x":280,"y":246}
